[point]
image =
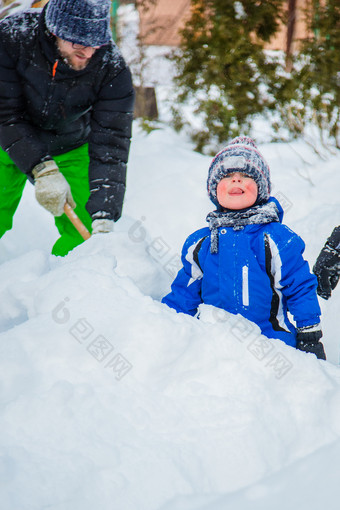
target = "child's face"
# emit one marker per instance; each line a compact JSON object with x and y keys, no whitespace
{"x":236,"y":191}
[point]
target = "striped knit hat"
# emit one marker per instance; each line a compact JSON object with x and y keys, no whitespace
{"x":85,"y":22}
{"x":241,"y":155}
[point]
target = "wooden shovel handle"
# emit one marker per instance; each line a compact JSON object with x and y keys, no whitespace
{"x":77,"y":223}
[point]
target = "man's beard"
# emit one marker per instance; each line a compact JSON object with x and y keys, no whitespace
{"x":79,"y":66}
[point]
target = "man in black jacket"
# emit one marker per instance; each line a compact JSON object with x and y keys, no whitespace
{"x":66,"y":109}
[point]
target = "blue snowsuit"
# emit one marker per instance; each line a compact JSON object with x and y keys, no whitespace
{"x":258,"y":272}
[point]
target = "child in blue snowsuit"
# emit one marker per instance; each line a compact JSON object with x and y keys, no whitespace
{"x":246,"y":261}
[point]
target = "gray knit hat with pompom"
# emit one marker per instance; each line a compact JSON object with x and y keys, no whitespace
{"x":85,"y":22}
{"x":241,"y":155}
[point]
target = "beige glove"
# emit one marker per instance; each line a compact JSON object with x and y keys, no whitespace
{"x":51,"y":188}
{"x":102,"y":226}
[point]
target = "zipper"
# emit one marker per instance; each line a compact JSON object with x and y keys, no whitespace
{"x":50,"y":95}
{"x":54,"y":69}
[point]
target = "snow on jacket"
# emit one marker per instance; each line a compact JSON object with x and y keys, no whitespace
{"x":47,"y":108}
{"x":258,"y":272}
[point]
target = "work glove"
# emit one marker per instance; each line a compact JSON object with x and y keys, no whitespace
{"x":51,"y":188}
{"x":102,"y":226}
{"x":309,"y":341}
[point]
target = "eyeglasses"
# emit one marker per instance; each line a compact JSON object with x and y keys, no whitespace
{"x":76,"y":46}
{"x":82,"y":46}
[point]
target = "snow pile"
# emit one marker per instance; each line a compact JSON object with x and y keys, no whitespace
{"x":109,"y":397}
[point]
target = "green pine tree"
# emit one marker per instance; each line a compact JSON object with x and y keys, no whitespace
{"x":317,"y":72}
{"x":222,"y":66}
{"x":224,"y":70}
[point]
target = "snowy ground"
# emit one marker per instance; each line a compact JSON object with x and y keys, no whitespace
{"x":108,"y":396}
{"x":111,"y":400}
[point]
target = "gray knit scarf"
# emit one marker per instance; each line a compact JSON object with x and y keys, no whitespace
{"x":266,"y":213}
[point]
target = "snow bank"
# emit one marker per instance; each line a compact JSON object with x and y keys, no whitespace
{"x":107,"y":394}
{"x":109,"y":397}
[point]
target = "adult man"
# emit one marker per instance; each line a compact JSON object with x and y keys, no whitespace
{"x":66,"y":109}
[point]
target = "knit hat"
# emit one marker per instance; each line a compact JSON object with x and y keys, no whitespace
{"x":85,"y":22}
{"x":241,"y":155}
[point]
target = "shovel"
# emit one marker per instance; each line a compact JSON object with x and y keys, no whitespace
{"x":76,"y":222}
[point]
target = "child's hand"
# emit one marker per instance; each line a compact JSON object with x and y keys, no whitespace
{"x":308,"y":340}
{"x":313,"y":347}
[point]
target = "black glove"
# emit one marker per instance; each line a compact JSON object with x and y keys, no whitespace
{"x":309,"y":341}
{"x":327,"y":265}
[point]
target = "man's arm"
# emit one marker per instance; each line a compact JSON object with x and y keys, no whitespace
{"x":109,"y":145}
{"x":17,"y":136}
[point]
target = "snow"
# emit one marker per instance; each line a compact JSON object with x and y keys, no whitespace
{"x":111,"y":400}
{"x":108,"y":395}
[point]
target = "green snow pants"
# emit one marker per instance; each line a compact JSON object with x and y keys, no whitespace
{"x":74,"y":166}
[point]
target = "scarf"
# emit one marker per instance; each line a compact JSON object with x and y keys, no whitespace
{"x":266,"y":213}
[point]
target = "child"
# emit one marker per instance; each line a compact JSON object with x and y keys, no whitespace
{"x":246,"y":261}
{"x":327,"y":265}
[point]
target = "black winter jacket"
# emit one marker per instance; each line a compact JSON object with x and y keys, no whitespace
{"x":47,"y":108}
